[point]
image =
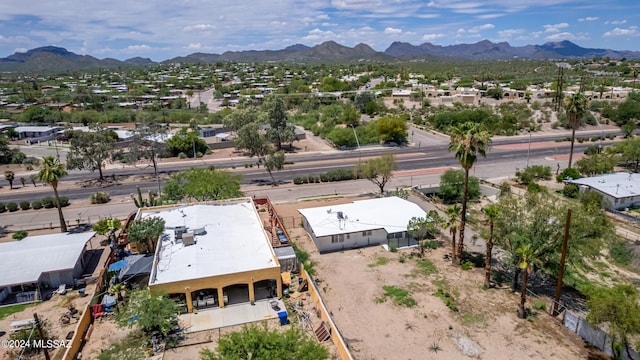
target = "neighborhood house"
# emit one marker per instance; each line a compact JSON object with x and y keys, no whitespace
{"x":361,"y":223}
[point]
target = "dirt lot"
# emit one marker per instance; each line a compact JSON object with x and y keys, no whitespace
{"x":485,"y":326}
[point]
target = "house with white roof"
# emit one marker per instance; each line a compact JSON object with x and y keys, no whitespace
{"x":41,"y":261}
{"x":621,"y":190}
{"x":214,"y":254}
{"x":361,"y":223}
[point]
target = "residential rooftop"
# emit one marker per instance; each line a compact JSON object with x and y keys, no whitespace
{"x":391,"y":213}
{"x":617,"y":185}
{"x":232,"y":240}
{"x":23,"y":261}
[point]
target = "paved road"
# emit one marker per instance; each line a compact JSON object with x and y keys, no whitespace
{"x":413,"y":171}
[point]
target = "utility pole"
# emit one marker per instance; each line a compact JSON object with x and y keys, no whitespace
{"x":358,"y":143}
{"x":41,"y":335}
{"x":556,"y":301}
{"x":528,"y":149}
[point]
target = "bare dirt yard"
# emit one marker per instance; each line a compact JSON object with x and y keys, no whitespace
{"x":376,"y":326}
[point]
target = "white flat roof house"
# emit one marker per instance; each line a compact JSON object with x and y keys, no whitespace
{"x":53,"y":259}
{"x":360,"y":223}
{"x":214,"y":248}
{"x":621,"y":190}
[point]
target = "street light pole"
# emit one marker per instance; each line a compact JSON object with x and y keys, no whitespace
{"x":528,"y":149}
{"x":357,"y":142}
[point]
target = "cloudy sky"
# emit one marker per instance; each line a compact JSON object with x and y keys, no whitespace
{"x":163,"y":29}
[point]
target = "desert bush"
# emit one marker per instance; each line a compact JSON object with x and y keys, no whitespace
{"x":11,"y":206}
{"x":64,"y":201}
{"x":100,"y":198}
{"x":36,"y":204}
{"x":3,"y":207}
{"x":48,"y":202}
{"x":568,"y":173}
{"x":19,"y":235}
{"x":571,"y":191}
{"x":25,"y":205}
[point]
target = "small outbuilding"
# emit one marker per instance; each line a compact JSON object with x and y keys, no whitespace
{"x":42,"y":261}
{"x":361,"y":223}
{"x":621,"y":190}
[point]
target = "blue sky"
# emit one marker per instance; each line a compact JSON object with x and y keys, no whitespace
{"x":163,"y":29}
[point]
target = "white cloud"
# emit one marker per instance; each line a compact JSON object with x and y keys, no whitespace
{"x":568,"y":36}
{"x":137,"y":48}
{"x":194,"y":46}
{"x":616,"y":22}
{"x":477,"y":29}
{"x":431,"y":37}
{"x":391,"y":30}
{"x":631,"y":31}
{"x":589,"y":18}
{"x":199,"y":27}
{"x":555,"y":27}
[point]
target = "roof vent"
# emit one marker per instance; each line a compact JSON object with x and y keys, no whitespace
{"x":187,"y":239}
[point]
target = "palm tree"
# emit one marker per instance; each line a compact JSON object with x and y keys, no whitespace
{"x":51,"y":171}
{"x":467,"y":141}
{"x":575,"y":106}
{"x":491,"y":211}
{"x":453,"y":218}
{"x":527,"y":258}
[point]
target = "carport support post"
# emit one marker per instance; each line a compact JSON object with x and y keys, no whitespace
{"x":562,"y":260}
{"x":221,"y":297}
{"x":187,"y":297}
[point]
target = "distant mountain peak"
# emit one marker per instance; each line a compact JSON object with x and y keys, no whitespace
{"x":54,"y":58}
{"x":297,"y":47}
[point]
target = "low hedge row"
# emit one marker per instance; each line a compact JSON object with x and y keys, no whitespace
{"x":46,"y":202}
{"x":329,"y":176}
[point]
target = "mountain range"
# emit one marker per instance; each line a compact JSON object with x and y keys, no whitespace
{"x":52,"y":58}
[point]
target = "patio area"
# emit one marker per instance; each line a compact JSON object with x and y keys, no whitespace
{"x":215,"y":318}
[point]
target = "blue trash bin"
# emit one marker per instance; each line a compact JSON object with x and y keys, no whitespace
{"x":283,"y":317}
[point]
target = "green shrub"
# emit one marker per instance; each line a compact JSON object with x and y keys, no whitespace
{"x":568,"y":173}
{"x":534,"y":187}
{"x":297,"y":180}
{"x":36,"y":205}
{"x":3,"y":207}
{"x":11,"y":206}
{"x":19,"y":235}
{"x":532,"y":173}
{"x":48,"y":202}
{"x":539,"y":304}
{"x":448,"y":300}
{"x":467,"y":265}
{"x":182,"y":155}
{"x":100,"y":198}
{"x":571,"y":191}
{"x":64,"y":201}
{"x":339,"y":175}
{"x":25,"y":205}
{"x":621,"y":252}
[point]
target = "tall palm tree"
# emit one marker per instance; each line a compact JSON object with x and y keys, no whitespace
{"x":575,"y":106}
{"x":453,"y":221}
{"x":491,"y":211}
{"x":51,"y":171}
{"x":467,"y":141}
